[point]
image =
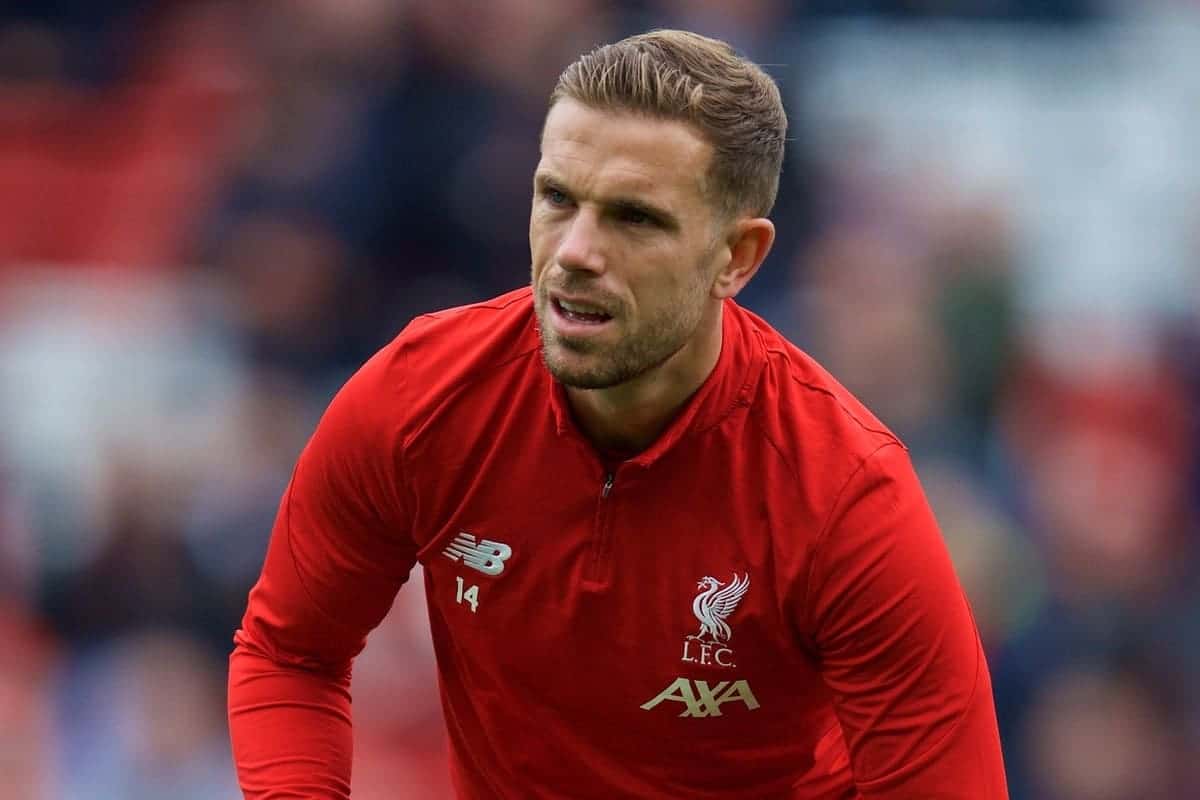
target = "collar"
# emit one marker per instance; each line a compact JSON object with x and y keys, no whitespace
{"x":729,"y":386}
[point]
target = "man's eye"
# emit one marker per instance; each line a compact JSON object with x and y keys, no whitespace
{"x":556,"y":198}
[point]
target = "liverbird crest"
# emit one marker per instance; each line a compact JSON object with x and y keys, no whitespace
{"x":714,"y":604}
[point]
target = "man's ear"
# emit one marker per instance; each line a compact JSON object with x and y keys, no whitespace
{"x":748,"y":243}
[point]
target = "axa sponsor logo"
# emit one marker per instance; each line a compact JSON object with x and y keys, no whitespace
{"x":709,"y":646}
{"x":713,"y":605}
{"x":481,"y":554}
{"x":699,"y":699}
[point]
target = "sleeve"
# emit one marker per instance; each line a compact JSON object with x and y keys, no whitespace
{"x":898,"y":645}
{"x":339,"y":552}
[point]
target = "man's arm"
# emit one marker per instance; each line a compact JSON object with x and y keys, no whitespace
{"x":898,"y":645}
{"x":338,"y":555}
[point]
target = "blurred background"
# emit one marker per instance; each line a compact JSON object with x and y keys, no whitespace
{"x":212,"y":212}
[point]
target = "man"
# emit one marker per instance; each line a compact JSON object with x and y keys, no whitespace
{"x":666,"y":555}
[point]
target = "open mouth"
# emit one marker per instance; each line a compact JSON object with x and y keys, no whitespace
{"x":580,"y":313}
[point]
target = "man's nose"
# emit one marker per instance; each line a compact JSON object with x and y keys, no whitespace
{"x":581,"y":246}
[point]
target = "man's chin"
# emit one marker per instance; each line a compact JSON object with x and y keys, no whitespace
{"x":576,"y":370}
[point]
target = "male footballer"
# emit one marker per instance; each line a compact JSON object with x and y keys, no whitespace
{"x":666,"y":554}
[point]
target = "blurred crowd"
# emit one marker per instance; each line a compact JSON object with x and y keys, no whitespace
{"x":211,"y":212}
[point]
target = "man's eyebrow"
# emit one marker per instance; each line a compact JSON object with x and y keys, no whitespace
{"x":544,"y":177}
{"x":620,"y":202}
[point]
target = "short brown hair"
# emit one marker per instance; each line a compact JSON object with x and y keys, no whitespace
{"x":683,"y":76}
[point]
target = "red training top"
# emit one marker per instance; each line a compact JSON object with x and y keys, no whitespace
{"x":759,"y":606}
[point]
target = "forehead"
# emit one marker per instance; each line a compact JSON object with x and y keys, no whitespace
{"x":623,"y":151}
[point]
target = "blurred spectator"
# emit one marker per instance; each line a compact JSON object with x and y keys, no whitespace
{"x":1000,"y":571}
{"x":1099,"y":441}
{"x":867,"y":321}
{"x":227,"y":509}
{"x":142,"y":719}
{"x":28,"y":658}
{"x":290,"y":281}
{"x":1104,"y":735}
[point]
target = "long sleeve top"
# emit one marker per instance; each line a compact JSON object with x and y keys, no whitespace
{"x":758,"y":606}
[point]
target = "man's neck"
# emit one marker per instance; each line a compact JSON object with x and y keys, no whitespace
{"x":626,"y":419}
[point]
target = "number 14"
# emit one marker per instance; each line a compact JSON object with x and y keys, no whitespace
{"x":471,"y":595}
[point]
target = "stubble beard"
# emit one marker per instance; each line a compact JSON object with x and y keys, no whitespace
{"x":634,"y":354}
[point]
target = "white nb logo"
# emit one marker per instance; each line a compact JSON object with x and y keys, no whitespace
{"x":483,"y":554}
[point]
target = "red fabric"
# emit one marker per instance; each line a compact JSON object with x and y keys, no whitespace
{"x":851,"y":667}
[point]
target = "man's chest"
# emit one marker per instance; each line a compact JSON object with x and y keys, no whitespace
{"x":635,"y":627}
{"x":656,"y":596}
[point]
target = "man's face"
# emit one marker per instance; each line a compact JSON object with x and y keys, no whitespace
{"x":624,"y":243}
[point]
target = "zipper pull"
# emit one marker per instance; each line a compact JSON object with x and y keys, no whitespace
{"x":608,"y":483}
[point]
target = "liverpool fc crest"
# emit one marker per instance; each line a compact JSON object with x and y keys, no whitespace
{"x":712,"y":607}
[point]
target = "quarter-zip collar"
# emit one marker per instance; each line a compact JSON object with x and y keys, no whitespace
{"x":731,"y":384}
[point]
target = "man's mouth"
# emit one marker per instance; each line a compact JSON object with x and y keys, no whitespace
{"x":580,"y":312}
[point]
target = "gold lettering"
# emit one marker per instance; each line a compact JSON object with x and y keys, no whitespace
{"x":679,"y":692}
{"x":740,"y":691}
{"x":705,"y":701}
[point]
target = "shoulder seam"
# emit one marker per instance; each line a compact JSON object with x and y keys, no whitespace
{"x":822,"y":390}
{"x":403,"y":348}
{"x":461,"y":384}
{"x":838,"y":497}
{"x":410,"y":496}
{"x":888,"y":435}
{"x":775,"y":446}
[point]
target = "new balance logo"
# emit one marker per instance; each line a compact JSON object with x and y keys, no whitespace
{"x":704,"y":700}
{"x":483,"y":554}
